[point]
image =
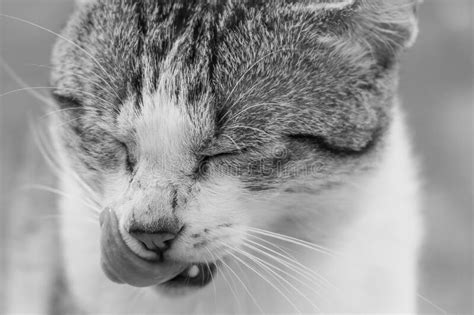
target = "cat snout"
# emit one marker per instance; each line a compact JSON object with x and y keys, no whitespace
{"x":155,"y":242}
{"x":157,"y":238}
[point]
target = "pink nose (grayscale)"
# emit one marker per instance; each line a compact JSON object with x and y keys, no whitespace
{"x":155,"y":242}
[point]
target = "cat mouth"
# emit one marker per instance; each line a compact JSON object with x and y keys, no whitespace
{"x":123,"y":266}
{"x":197,"y":275}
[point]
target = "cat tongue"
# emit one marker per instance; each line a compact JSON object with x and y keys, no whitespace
{"x":121,"y":265}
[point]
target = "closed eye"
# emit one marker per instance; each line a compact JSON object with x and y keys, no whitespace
{"x":224,"y":154}
{"x":322,"y":143}
{"x":131,"y":161}
{"x":68,"y":102}
{"x":202,"y":166}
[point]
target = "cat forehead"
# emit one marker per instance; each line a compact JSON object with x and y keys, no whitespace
{"x":304,"y":4}
{"x":207,"y":44}
{"x":257,"y":68}
{"x":164,"y":132}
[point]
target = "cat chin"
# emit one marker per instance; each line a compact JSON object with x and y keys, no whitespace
{"x":186,"y":284}
{"x":174,"y":292}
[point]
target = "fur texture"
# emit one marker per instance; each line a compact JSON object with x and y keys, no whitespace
{"x":229,"y":116}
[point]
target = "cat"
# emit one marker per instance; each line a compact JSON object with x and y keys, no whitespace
{"x":236,"y":157}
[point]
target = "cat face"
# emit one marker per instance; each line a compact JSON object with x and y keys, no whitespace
{"x":191,"y":118}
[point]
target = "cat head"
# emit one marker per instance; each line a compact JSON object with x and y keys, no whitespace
{"x":198,"y":120}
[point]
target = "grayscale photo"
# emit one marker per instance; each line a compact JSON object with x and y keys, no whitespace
{"x":236,"y":157}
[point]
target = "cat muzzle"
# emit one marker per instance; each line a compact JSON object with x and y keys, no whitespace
{"x":122,"y":265}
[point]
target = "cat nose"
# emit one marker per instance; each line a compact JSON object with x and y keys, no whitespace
{"x":157,"y":242}
{"x":157,"y":235}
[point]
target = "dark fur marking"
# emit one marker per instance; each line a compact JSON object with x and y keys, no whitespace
{"x":259,"y":188}
{"x":200,"y":244}
{"x":174,"y":199}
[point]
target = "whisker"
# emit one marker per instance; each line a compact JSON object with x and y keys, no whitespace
{"x":307,"y":285}
{"x":245,"y":287}
{"x":55,"y":166}
{"x":79,"y":217}
{"x":53,"y":88}
{"x":233,"y":141}
{"x":47,"y":101}
{"x":64,"y":123}
{"x":80,"y":76}
{"x":234,"y":117}
{"x":52,"y":112}
{"x":265,"y":279}
{"x":295,"y":264}
{"x":269,"y":267}
{"x":285,"y":262}
{"x":64,"y":194}
{"x":245,"y":94}
{"x":213,"y":283}
{"x":290,"y":259}
{"x":69,"y":41}
{"x":437,"y":307}
{"x":296,"y":241}
{"x":243,"y":274}
{"x":228,"y":284}
{"x":38,"y":138}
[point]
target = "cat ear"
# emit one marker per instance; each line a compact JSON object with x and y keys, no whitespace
{"x":393,"y":22}
{"x":323,"y":5}
{"x":389,"y":23}
{"x":84,"y":2}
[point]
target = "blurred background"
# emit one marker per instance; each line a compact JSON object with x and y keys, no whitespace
{"x":437,"y":91}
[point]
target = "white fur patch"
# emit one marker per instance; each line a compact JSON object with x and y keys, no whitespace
{"x":163,"y":129}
